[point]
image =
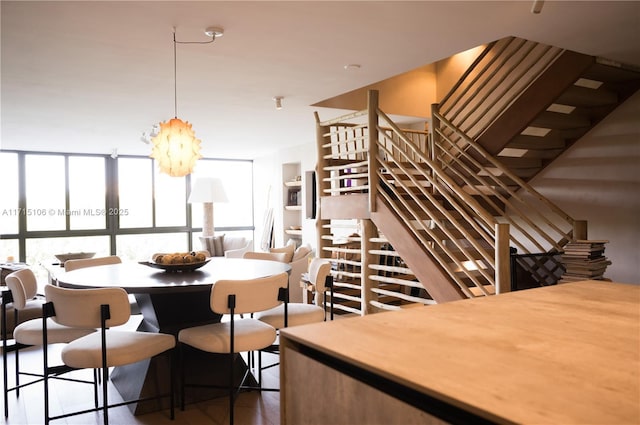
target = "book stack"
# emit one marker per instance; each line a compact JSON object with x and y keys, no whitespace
{"x":584,"y":260}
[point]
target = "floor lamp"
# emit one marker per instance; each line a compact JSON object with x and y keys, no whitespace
{"x":207,"y":191}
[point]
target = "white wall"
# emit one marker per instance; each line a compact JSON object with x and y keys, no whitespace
{"x":598,"y":180}
{"x":268,"y":190}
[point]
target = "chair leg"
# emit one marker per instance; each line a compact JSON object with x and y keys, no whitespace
{"x":182,"y":368}
{"x":105,"y":397}
{"x":231,"y":389}
{"x":96,"y":374}
{"x":260,"y":368}
{"x":45,"y":371}
{"x":172,"y":364}
{"x":5,"y":379}
{"x":17,"y":371}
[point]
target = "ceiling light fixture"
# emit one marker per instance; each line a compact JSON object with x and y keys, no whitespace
{"x":278,"y":100}
{"x":176,"y":147}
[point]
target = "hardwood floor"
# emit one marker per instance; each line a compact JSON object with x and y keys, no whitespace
{"x":251,"y":407}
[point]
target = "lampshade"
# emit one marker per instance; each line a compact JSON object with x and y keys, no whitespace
{"x":207,"y":189}
{"x":176,"y":148}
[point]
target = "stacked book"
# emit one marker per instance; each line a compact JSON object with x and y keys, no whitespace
{"x":584,"y":260}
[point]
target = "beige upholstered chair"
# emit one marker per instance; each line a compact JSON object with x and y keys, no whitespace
{"x":70,"y":265}
{"x":301,"y":313}
{"x":299,"y":266}
{"x":30,"y":303}
{"x":296,"y":258}
{"x":90,"y":262}
{"x":101,"y":308}
{"x":270,"y":256}
{"x":224,"y":245}
{"x":22,"y":286}
{"x":235,"y":297}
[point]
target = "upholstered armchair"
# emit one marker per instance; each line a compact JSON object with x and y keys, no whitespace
{"x":298,"y":259}
{"x":226,"y":246}
{"x":299,"y":265}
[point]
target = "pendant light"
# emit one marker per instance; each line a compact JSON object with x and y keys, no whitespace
{"x":175,"y":147}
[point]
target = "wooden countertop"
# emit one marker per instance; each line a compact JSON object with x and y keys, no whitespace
{"x":565,"y":354}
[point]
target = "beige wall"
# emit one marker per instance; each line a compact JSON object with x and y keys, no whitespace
{"x":598,"y":180}
{"x":409,"y":94}
{"x":449,"y":70}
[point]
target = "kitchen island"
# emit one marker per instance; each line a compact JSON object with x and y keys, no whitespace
{"x":564,"y":354}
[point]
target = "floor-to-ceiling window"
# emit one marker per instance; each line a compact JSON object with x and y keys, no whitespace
{"x":57,"y":203}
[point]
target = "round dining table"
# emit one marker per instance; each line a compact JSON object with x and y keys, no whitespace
{"x":169,"y":302}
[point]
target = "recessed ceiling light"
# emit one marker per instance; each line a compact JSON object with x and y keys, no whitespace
{"x":352,"y":67}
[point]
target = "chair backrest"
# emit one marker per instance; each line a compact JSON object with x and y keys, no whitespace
{"x":252,"y":295}
{"x":271,"y":256}
{"x":23,"y":286}
{"x":90,"y":262}
{"x":319,"y":269}
{"x":288,"y":250}
{"x":80,"y":308}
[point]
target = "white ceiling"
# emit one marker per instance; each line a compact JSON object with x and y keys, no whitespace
{"x":89,"y":76}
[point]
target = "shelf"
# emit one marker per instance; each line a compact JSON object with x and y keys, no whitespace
{"x":292,"y":199}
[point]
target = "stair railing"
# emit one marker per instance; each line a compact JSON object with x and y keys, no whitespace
{"x":401,"y":156}
{"x":535,"y":218}
{"x":464,"y":246}
{"x":494,"y":81}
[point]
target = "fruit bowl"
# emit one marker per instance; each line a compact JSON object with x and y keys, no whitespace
{"x":178,"y":261}
{"x":174,"y":268}
{"x":74,"y":256}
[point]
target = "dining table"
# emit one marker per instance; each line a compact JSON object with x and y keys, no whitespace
{"x":171,"y":301}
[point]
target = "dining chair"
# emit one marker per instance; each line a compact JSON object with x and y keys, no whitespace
{"x":102,"y":308}
{"x":246,"y":334}
{"x":81,"y":263}
{"x":21,"y":294}
{"x":318,"y":281}
{"x":269,"y":256}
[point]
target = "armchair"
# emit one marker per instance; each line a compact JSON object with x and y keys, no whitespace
{"x":299,"y":265}
{"x":236,"y":246}
{"x":225,"y":245}
{"x":298,"y":259}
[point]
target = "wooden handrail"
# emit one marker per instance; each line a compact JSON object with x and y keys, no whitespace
{"x":521,"y":183}
{"x":466,"y":74}
{"x":440,"y":174}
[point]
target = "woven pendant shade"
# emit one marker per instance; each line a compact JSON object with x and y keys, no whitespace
{"x":176,"y":148}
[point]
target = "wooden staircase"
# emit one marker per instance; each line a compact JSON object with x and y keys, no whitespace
{"x":455,"y":205}
{"x":528,"y":129}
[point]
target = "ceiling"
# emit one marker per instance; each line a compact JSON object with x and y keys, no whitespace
{"x":91,"y":76}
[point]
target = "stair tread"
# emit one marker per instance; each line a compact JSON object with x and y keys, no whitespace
{"x":584,"y":97}
{"x":607,"y":73}
{"x":518,"y":162}
{"x":553,"y":140}
{"x":555,"y":120}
